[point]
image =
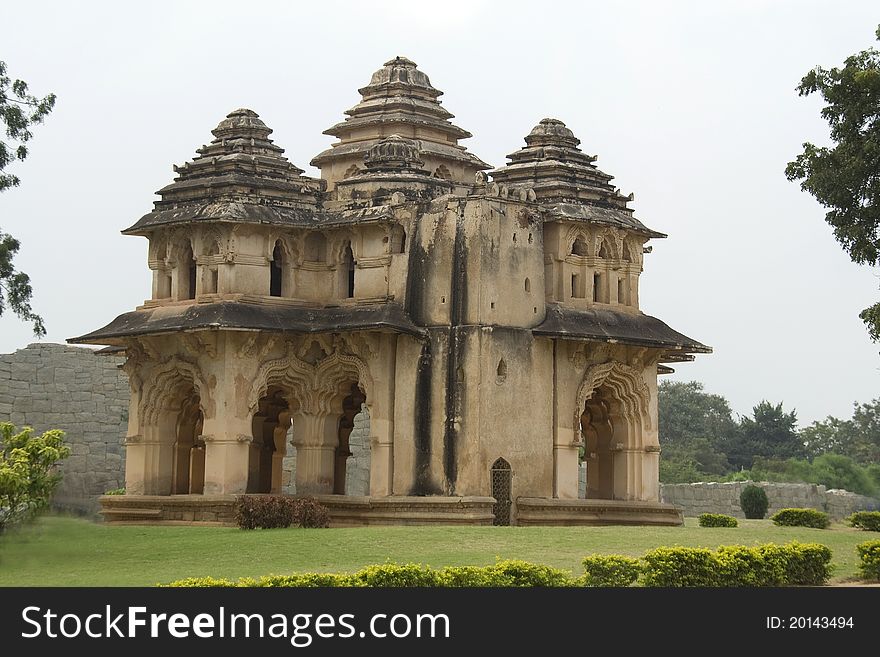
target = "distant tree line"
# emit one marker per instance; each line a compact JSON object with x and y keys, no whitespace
{"x":701,"y":440}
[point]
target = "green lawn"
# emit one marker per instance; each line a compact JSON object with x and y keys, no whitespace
{"x":63,"y":551}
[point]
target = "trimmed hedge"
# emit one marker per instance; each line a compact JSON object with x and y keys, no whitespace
{"x":733,"y":565}
{"x":738,"y":565}
{"x":716,"y":520}
{"x":869,"y":556}
{"x":867,"y":520}
{"x":610,"y":570}
{"x":280,"y":511}
{"x":801,"y":518}
{"x":753,"y":501}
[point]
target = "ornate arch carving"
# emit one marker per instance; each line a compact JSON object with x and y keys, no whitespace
{"x":575,"y":233}
{"x":315,"y":386}
{"x":165,"y":381}
{"x":627,"y":387}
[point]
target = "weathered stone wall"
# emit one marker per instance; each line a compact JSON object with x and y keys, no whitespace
{"x":698,"y":498}
{"x":53,"y":386}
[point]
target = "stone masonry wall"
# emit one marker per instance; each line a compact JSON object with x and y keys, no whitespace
{"x":698,"y":498}
{"x":53,"y":386}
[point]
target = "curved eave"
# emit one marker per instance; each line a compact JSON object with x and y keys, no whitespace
{"x":231,"y":315}
{"x":607,"y":325}
{"x":598,"y":215}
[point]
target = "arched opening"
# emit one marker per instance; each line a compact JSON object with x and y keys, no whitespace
{"x":501,"y":370}
{"x":187,"y":273}
{"x":597,"y":430}
{"x":579,"y":248}
{"x":351,"y":407}
{"x":276,"y":270}
{"x":269,"y":430}
{"x":597,"y":287}
{"x":604,"y":251}
{"x":189,"y":448}
{"x":501,"y":478}
{"x":527,"y":285}
{"x":347,"y":268}
{"x":627,"y":252}
{"x":577,"y":286}
{"x":315,"y":248}
{"x":621,"y":291}
{"x":210,"y":276}
{"x":398,"y":240}
{"x":442,"y":172}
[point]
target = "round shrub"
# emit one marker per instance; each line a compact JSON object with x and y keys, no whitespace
{"x":753,"y":501}
{"x":869,"y":556}
{"x":801,"y":518}
{"x":716,"y":520}
{"x":867,"y":520}
{"x":610,"y":570}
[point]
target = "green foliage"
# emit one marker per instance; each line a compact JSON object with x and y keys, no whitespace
{"x":680,"y":566}
{"x":27,"y":478}
{"x":513,"y":572}
{"x":115,"y":491}
{"x":753,"y":501}
{"x":279,"y":511}
{"x":858,"y":437}
{"x":396,"y":575}
{"x":610,"y":570}
{"x":716,"y":520}
{"x":19,"y":111}
{"x":801,"y":518}
{"x":869,"y":559}
{"x":770,"y":433}
{"x":867,"y":520}
{"x":829,"y":470}
{"x":843,"y":178}
{"x":302,"y":580}
{"x":200,"y":582}
{"x":692,"y":423}
{"x":793,"y":564}
{"x":15,"y":286}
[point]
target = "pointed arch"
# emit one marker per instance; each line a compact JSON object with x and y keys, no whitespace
{"x":163,"y":385}
{"x":626,"y":385}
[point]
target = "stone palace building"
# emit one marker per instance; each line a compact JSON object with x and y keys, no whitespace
{"x":484,"y":326}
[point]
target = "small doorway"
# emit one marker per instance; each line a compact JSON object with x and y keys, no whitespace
{"x":501,"y":483}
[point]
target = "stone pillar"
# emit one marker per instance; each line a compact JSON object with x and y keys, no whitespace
{"x":197,"y":469}
{"x":280,"y":437}
{"x":135,"y":465}
{"x":565,"y":477}
{"x":226,"y":464}
{"x":315,"y":437}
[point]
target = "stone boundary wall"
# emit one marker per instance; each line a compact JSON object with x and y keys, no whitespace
{"x":694,"y":499}
{"x":53,"y":386}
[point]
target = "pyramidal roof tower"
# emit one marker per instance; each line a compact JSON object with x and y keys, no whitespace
{"x":399,"y":100}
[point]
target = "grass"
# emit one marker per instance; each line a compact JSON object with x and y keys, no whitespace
{"x":66,"y":551}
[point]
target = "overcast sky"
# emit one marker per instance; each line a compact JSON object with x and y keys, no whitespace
{"x":690,"y":105}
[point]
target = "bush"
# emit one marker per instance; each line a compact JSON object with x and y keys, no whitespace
{"x":278,"y":511}
{"x":522,"y":573}
{"x":867,"y":520}
{"x":793,"y":564}
{"x":808,"y":564}
{"x":753,"y":501}
{"x":467,"y":576}
{"x":717,"y":520}
{"x":301,"y":580}
{"x":200,"y":582}
{"x":396,"y":575}
{"x":680,"y":566}
{"x":610,"y":570}
{"x":801,"y":518}
{"x":309,"y":513}
{"x":115,"y":491}
{"x":869,"y":556}
{"x":27,"y":477}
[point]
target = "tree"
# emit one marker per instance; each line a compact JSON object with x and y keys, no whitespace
{"x":693,"y":424}
{"x":846,"y":177}
{"x":27,"y":479}
{"x":857,"y":438}
{"x":19,"y":111}
{"x":769,"y":433}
